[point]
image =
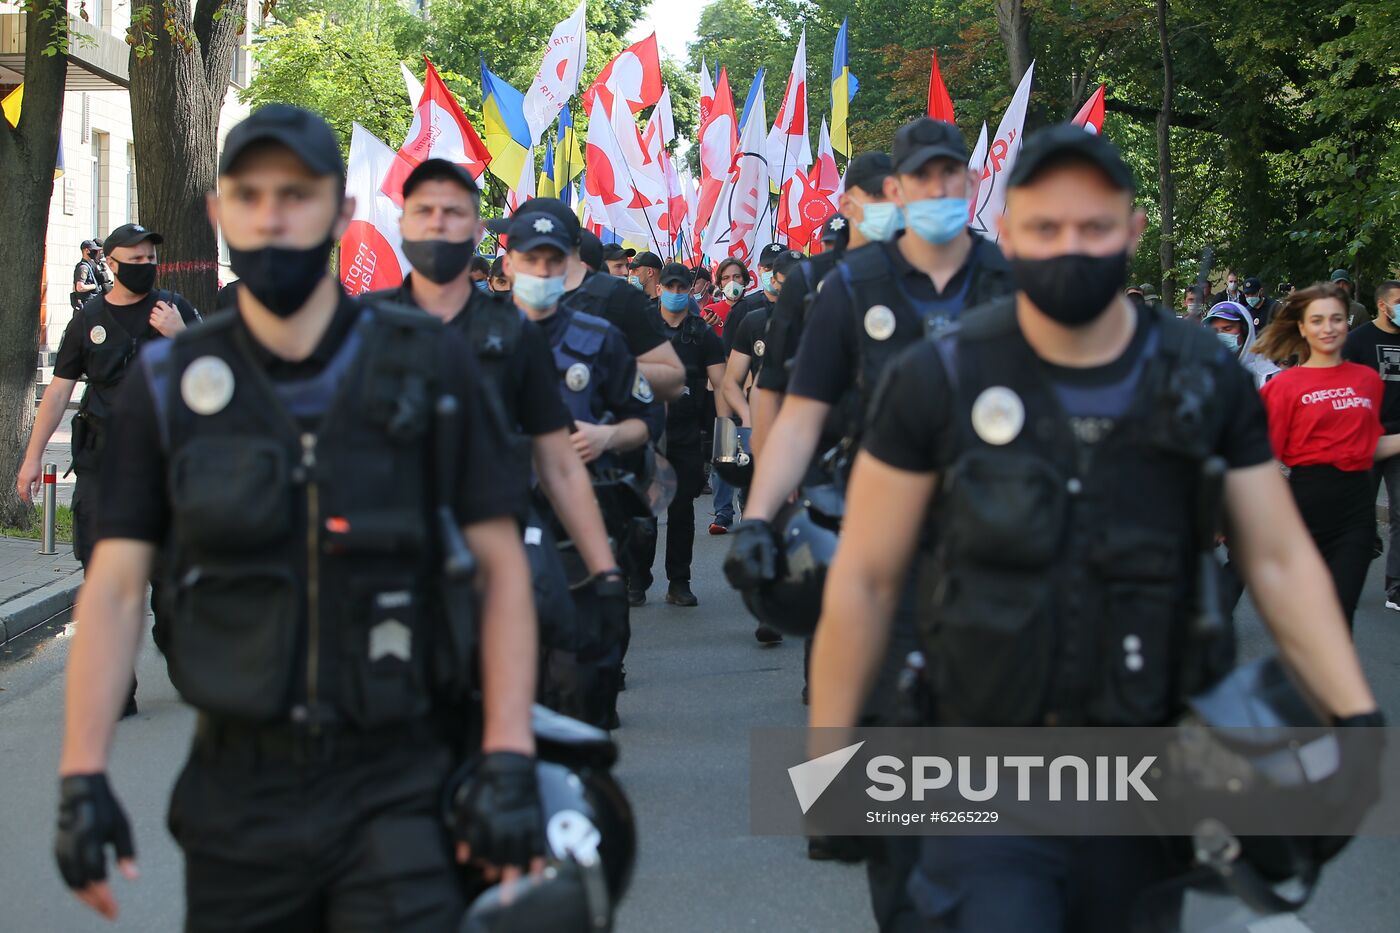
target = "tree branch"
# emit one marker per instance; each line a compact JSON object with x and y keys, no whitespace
{"x":217,"y":34}
{"x":1148,"y":115}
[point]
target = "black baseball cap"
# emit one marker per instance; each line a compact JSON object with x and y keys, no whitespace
{"x":615,"y":251}
{"x":130,"y":235}
{"x":590,"y":249}
{"x":439,"y":170}
{"x":837,"y":231}
{"x":646,"y":260}
{"x":925,"y":138}
{"x":554,"y":208}
{"x":1340,"y":275}
{"x":675,"y":272}
{"x":868,"y":172}
{"x":770,"y":253}
{"x":90,"y":244}
{"x":787,"y":261}
{"x":1067,"y":142}
{"x":305,"y":133}
{"x":700,"y":272}
{"x":1252,"y":284}
{"x":531,"y":229}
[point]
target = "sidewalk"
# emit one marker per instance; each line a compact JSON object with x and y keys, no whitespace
{"x":33,"y":587}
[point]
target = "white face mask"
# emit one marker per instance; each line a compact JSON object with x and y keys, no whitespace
{"x":733,"y":291}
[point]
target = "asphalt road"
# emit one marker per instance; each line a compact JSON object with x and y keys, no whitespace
{"x":697,"y":683}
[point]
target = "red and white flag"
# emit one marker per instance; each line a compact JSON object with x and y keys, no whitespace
{"x":1001,"y":158}
{"x":440,"y":131}
{"x":940,"y":102}
{"x":707,"y":92}
{"x":559,"y":73}
{"x":742,"y":208}
{"x":1091,"y":115}
{"x":809,"y":197}
{"x":718,"y":140}
{"x":789,"y":149}
{"x":634,"y":75}
{"x":371,"y":255}
{"x":975,"y":165}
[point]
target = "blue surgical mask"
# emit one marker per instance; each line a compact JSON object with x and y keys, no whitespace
{"x":634,"y":281}
{"x":765,"y":280}
{"x":1253,"y":300}
{"x":1231,"y":341}
{"x":879,"y":220}
{"x":537,"y":291}
{"x":1395,"y":314}
{"x":936,"y":220}
{"x":675,"y":301}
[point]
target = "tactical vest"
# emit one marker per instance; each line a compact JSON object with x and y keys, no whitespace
{"x":593,"y":295}
{"x":492,"y":328}
{"x":688,"y":407}
{"x":1054,"y":595}
{"x":302,"y":570}
{"x":889,"y":318}
{"x":576,"y":352}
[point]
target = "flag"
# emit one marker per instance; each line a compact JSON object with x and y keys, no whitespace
{"x":558,"y":77}
{"x":12,"y":104}
{"x":547,"y":187}
{"x":634,"y":75}
{"x":707,"y":93}
{"x":843,"y":90}
{"x":789,"y":148}
{"x":748,"y":102}
{"x":568,"y":159}
{"x":809,"y":197}
{"x":661,"y":125}
{"x":824,"y":169}
{"x":940,"y":104}
{"x":371,"y":256}
{"x":524,"y":187}
{"x":975,"y":165}
{"x":503,"y":119}
{"x":1090,"y":116}
{"x":647,"y":186}
{"x":606,"y":189}
{"x":440,"y":131}
{"x":1001,"y":157}
{"x":742,"y":209}
{"x":412,"y":84}
{"x":718,"y":140}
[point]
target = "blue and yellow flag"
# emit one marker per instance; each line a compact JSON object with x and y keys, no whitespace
{"x":545,"y":188}
{"x":569,"y":154}
{"x":843,"y":87}
{"x":507,"y":135}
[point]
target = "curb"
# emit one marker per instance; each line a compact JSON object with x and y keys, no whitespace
{"x":35,"y":608}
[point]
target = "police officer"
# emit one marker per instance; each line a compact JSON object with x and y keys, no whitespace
{"x":90,"y":276}
{"x":702,"y":353}
{"x":617,"y":257}
{"x":1063,"y":591}
{"x":645,"y":274}
{"x":748,"y":349}
{"x":881,"y":298}
{"x":310,"y":462}
{"x":760,"y":297}
{"x":607,"y":396}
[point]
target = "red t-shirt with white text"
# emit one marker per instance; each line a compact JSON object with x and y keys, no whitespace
{"x":1325,"y":415}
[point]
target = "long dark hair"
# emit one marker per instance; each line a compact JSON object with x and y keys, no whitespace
{"x":1283,"y":338}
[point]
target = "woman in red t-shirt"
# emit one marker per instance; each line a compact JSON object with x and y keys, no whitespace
{"x":1324,"y":425}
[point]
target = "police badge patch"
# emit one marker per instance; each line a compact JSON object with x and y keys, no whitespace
{"x":641,"y":390}
{"x":998,"y":415}
{"x":576,"y":378}
{"x":879,"y":323}
{"x":98,"y":334}
{"x":207,"y":385}
{"x":759,"y":347}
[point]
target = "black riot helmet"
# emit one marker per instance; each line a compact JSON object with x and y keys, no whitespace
{"x":590,"y":837}
{"x":807,"y":532}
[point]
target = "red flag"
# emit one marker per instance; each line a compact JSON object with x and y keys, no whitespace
{"x":940,"y":105}
{"x":1090,"y":116}
{"x":440,"y":131}
{"x":719,"y":137}
{"x":635,"y":75}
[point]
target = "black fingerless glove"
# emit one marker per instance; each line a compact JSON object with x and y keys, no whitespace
{"x":753,"y":554}
{"x":496,"y":811}
{"x":89,"y":820}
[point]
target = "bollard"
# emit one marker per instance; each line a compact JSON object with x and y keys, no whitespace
{"x":46,"y":545}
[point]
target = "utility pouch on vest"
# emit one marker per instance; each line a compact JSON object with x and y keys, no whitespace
{"x":991,"y":645}
{"x":1005,"y":509}
{"x":232,"y":644}
{"x":88,"y":441}
{"x":383,"y":667}
{"x":231,"y":494}
{"x":1141,"y":577}
{"x":376,"y":531}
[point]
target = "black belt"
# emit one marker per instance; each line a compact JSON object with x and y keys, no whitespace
{"x":251,"y":745}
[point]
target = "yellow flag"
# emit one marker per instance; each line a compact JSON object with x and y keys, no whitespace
{"x":11,"y":105}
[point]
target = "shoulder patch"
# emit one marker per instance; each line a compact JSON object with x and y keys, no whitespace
{"x":641,"y":389}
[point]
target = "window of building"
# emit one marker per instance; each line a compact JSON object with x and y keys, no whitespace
{"x":99,"y":185}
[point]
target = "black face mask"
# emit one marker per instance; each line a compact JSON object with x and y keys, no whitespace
{"x":439,"y":261}
{"x":137,"y":277}
{"x":1073,"y":289}
{"x":281,"y":279}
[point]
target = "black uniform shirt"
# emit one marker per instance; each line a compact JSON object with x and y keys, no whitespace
{"x":1380,"y":350}
{"x":742,"y":308}
{"x":910,"y":424}
{"x":829,"y":355}
{"x":621,"y":389}
{"x":529,"y":389}
{"x":788,"y":318}
{"x":135,"y":320}
{"x":633,"y":313}
{"x":751,"y":340}
{"x":133,"y":492}
{"x":706,"y":352}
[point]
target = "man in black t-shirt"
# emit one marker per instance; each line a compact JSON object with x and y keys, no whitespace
{"x":748,"y":347}
{"x":1377,"y":344}
{"x":761,"y":297}
{"x":90,"y":275}
{"x":702,"y":354}
{"x":98,"y":345}
{"x":1052,"y":409}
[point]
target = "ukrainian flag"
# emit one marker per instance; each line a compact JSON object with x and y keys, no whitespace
{"x":843,"y":87}
{"x":545,"y":188}
{"x":507,"y":136}
{"x":570,"y":153}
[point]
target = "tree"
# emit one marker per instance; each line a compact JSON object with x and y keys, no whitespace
{"x":28,"y":154}
{"x":181,"y":64}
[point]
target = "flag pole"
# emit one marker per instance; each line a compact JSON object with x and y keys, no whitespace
{"x":786,"y":144}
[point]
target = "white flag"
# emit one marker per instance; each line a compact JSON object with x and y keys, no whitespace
{"x":558,"y":77}
{"x":371,"y":251}
{"x":789,"y":149}
{"x":1001,"y":158}
{"x":412,"y":84}
{"x":742,"y":209}
{"x":975,"y":165}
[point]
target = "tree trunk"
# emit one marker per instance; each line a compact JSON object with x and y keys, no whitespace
{"x":1165,"y":176}
{"x":28,"y":154}
{"x":1015,"y":29}
{"x":177,"y":92}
